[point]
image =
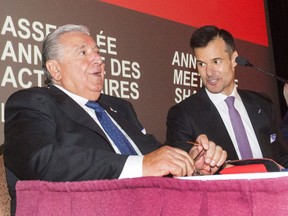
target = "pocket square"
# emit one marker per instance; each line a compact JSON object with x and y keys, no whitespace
{"x":272,"y":138}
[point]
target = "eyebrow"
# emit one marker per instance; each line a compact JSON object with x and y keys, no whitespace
{"x":85,"y":46}
{"x":199,"y":61}
{"x":79,"y":48}
{"x":217,"y":58}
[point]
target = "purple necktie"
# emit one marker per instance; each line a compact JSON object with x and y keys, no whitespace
{"x":239,"y":130}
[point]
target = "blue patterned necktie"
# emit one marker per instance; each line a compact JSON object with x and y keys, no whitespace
{"x":112,"y":130}
{"x":239,"y":130}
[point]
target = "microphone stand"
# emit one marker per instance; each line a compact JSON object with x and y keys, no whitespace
{"x":273,"y":75}
{"x":243,"y":62}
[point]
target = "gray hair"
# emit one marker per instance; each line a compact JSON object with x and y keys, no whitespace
{"x":52,"y":48}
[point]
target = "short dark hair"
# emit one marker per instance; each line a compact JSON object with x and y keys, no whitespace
{"x":204,"y":35}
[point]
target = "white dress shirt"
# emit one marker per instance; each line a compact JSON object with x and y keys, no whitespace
{"x":133,"y":165}
{"x":219,"y":102}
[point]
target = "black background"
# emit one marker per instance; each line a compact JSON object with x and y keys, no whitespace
{"x":278,"y":18}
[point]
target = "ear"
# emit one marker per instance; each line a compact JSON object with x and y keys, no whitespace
{"x":233,"y":57}
{"x":54,"y":68}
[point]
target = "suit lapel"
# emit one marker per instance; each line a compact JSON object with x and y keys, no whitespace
{"x":256,"y":112}
{"x":213,"y":123}
{"x":127,"y":124}
{"x":113,"y":112}
{"x":74,"y":111}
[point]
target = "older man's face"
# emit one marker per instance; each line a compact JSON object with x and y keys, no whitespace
{"x":80,"y":66}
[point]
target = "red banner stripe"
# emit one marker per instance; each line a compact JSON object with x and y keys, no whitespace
{"x":245,"y":19}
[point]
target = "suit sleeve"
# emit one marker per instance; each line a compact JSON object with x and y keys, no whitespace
{"x":281,"y":150}
{"x":178,"y":129}
{"x":271,"y":138}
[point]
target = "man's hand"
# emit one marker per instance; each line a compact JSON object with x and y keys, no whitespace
{"x":211,"y":158}
{"x":168,"y":160}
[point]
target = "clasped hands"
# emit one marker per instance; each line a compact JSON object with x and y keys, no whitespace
{"x":205,"y":158}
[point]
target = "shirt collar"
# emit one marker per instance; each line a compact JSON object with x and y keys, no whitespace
{"x":219,"y":98}
{"x":78,"y":99}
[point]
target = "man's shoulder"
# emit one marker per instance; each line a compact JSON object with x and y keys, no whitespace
{"x":29,"y":91}
{"x":194,"y":99}
{"x":30,"y":97}
{"x":112,"y":100}
{"x":195,"y":103}
{"x":253,"y":95}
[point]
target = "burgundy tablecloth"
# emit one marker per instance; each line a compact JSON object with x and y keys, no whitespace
{"x":154,"y":196}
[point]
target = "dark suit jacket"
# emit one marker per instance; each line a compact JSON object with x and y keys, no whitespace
{"x":284,"y":126}
{"x":48,"y":136}
{"x":198,"y":115}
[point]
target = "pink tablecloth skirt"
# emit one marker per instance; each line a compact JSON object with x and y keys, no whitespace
{"x":154,"y":196}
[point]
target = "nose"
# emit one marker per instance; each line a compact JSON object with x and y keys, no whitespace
{"x":96,"y":58}
{"x":209,"y":70}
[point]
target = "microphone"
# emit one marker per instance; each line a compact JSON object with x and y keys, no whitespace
{"x":244,"y":62}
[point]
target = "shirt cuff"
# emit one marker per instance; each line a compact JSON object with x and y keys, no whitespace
{"x":132,"y":167}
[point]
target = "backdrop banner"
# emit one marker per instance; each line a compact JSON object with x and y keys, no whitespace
{"x":147,"y":56}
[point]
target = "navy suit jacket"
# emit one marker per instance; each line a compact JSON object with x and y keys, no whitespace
{"x":48,"y":136}
{"x":198,"y":115}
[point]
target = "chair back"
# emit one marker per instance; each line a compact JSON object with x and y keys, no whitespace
{"x":4,"y":194}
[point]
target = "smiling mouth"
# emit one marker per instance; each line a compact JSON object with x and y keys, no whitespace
{"x":212,"y":81}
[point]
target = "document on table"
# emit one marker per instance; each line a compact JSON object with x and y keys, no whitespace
{"x":237,"y":176}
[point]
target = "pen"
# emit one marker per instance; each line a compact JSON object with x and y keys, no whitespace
{"x":200,"y":153}
{"x":193,"y":143}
